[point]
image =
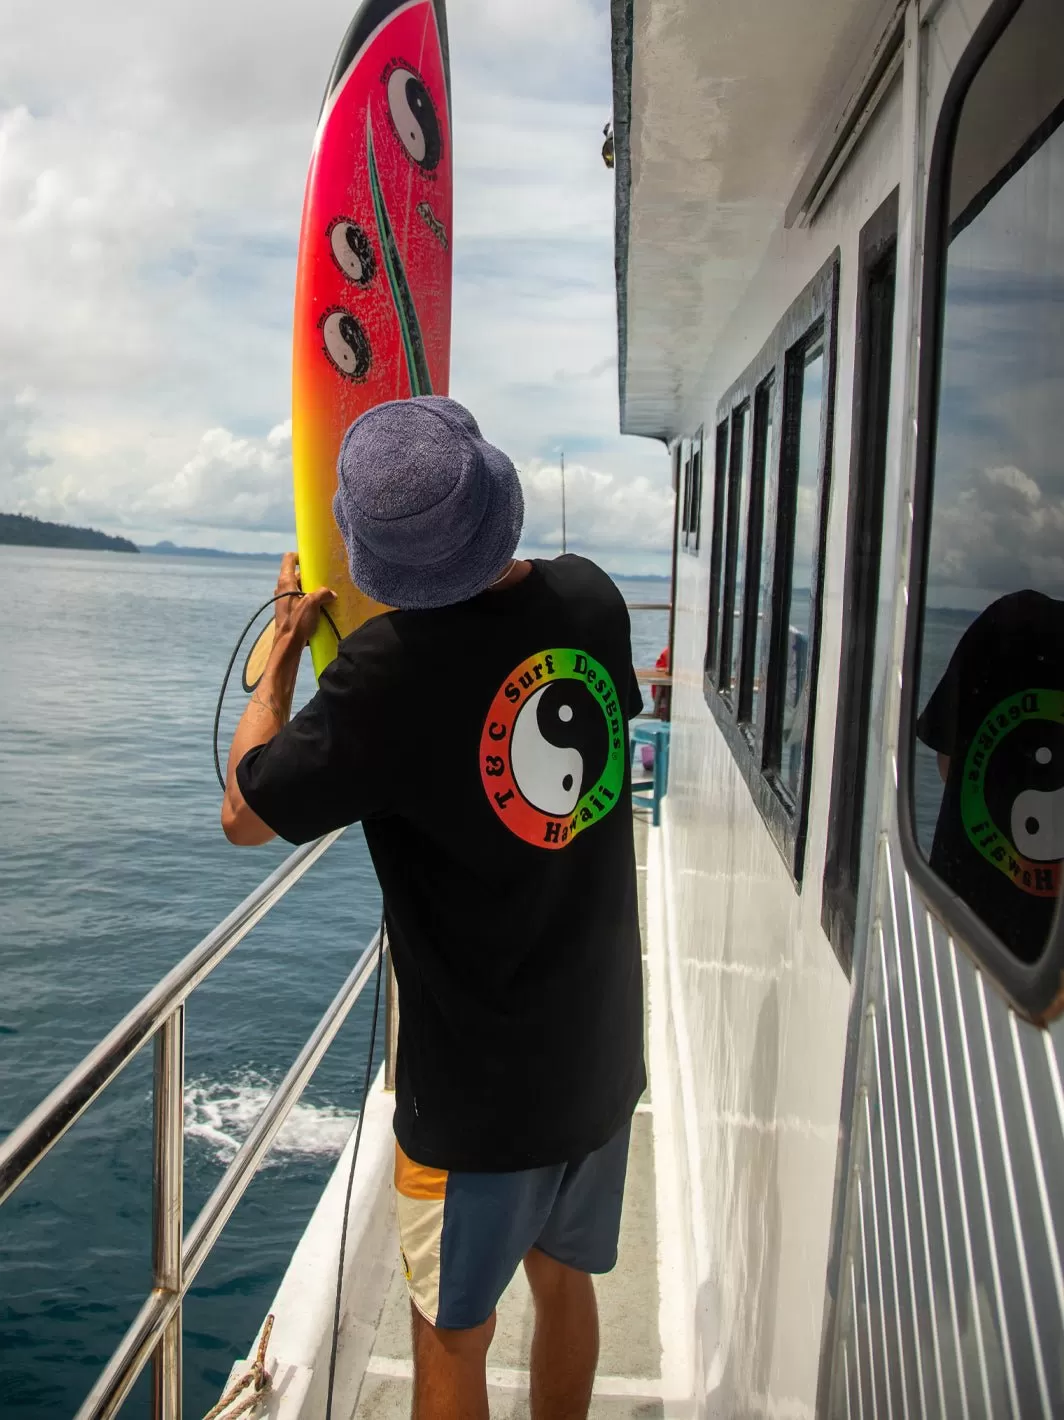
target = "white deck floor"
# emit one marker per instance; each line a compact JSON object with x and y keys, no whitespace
{"x":629,"y":1374}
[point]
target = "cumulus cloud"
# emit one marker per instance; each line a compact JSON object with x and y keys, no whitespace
{"x":152,"y":164}
{"x":998,"y":498}
{"x":996,"y":531}
{"x":228,"y":482}
{"x":604,"y":513}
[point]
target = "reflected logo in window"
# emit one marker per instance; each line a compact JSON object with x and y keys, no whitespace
{"x":1014,"y":776}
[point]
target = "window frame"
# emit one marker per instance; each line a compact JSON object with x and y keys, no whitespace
{"x":738,"y":471}
{"x":1033,"y":989}
{"x":691,"y":467}
{"x":812,"y":316}
{"x":721,"y":433}
{"x":685,"y":490}
{"x":763,"y":456}
{"x":871,"y":406}
{"x":697,"y":455}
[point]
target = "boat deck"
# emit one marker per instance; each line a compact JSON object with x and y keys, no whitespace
{"x":629,"y":1374}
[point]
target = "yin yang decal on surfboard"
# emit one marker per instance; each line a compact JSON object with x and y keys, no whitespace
{"x":553,"y":750}
{"x":373,"y":284}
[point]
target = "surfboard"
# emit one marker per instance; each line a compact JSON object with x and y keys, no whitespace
{"x":373,"y":283}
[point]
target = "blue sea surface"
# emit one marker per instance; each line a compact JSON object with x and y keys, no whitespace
{"x":112,"y":867}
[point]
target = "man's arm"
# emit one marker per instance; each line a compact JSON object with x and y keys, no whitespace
{"x":270,"y":705}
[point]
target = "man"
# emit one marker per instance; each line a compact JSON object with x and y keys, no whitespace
{"x":480,"y":734}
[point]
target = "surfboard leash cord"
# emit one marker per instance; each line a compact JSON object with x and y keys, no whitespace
{"x":368,"y":1080}
{"x":232,"y":662}
{"x":366,"y":1083}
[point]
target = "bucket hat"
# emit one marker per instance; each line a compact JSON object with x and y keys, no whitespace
{"x":429,"y":511}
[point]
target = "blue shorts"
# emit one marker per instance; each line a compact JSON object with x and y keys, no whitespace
{"x":463,"y":1235}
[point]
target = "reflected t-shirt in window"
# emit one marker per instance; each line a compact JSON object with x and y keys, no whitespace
{"x":998,"y":714}
{"x":484,"y":748}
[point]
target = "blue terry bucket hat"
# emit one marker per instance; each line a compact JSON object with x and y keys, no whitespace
{"x":429,"y":511}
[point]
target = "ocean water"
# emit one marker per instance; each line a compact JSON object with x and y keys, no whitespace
{"x":112,"y":867}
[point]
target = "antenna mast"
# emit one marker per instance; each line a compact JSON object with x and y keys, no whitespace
{"x":563,"y":500}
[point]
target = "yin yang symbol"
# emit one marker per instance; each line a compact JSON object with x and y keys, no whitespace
{"x":559,"y":746}
{"x":346,"y":344}
{"x":413,"y":116}
{"x":352,"y":251}
{"x":1038,"y":824}
{"x":1025,"y":789}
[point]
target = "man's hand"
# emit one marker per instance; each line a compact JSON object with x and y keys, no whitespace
{"x":296,"y":619}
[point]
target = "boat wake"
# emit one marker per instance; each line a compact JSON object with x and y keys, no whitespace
{"x":221,"y":1115}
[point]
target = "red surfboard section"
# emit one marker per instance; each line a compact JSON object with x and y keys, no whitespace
{"x":373,"y":285}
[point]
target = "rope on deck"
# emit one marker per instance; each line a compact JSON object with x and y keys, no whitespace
{"x":256,"y":1376}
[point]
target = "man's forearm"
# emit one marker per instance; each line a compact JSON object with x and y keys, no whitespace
{"x":266,"y":713}
{"x":270,"y":705}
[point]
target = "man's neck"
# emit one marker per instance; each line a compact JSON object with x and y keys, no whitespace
{"x":517,"y":573}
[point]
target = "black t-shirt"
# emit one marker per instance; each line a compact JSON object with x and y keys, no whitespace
{"x":484,"y":746}
{"x":998,"y":712}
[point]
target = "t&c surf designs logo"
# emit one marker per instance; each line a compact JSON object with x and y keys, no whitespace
{"x":1012,"y":794}
{"x":553,"y":751}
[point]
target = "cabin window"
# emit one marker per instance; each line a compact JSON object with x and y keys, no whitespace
{"x":696,"y":494}
{"x":685,"y":474}
{"x":758,"y":573}
{"x":864,"y":534}
{"x":677,"y":493}
{"x":738,"y":515}
{"x":716,"y":557}
{"x":982,"y":782}
{"x":803,"y":413}
{"x":691,"y":455}
{"x":770,"y":502}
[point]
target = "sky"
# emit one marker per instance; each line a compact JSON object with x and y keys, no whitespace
{"x":152,"y":163}
{"x":997,"y":521}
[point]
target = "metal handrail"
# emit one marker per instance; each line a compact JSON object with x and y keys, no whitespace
{"x":159,"y":1312}
{"x":649,"y":606}
{"x":156,"y":1330}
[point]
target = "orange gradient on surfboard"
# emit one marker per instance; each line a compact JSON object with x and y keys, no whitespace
{"x":373,"y":284}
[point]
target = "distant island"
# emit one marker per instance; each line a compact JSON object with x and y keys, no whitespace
{"x":19,"y":531}
{"x":173,"y":549}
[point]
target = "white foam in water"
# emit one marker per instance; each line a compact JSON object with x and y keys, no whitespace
{"x":221,"y":1115}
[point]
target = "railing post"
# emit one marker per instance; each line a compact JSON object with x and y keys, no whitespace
{"x":168,"y":1206}
{"x":391,"y":1022}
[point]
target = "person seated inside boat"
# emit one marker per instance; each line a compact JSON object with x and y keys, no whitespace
{"x":996,"y":722}
{"x":479,"y":732}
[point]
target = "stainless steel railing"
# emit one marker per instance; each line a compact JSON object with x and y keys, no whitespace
{"x":156,"y":1331}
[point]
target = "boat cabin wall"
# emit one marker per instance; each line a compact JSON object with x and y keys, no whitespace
{"x":761,"y":999}
{"x":870,"y":1087}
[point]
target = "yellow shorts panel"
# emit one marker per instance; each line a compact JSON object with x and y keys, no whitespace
{"x":420,"y":1193}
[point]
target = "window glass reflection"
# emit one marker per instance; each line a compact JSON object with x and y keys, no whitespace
{"x":797,"y":608}
{"x":988,"y":773}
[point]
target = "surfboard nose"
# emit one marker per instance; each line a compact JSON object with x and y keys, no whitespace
{"x":368,"y":18}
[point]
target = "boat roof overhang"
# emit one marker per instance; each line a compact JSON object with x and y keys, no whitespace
{"x":729,"y":116}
